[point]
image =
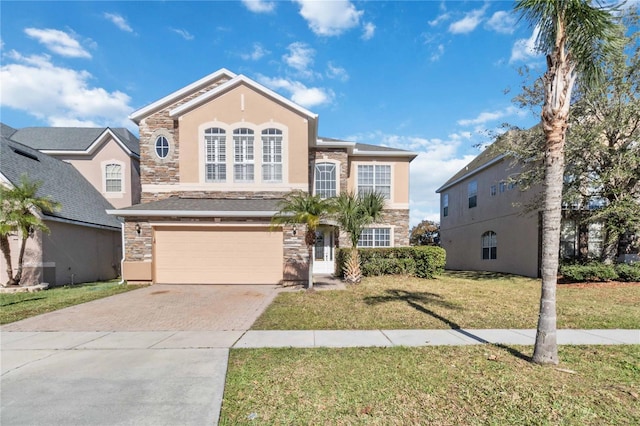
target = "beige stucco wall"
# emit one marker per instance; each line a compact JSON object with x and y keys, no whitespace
{"x":238,"y":107}
{"x":32,"y":267}
{"x":399,"y":177}
{"x":505,"y":214}
{"x":92,"y":168}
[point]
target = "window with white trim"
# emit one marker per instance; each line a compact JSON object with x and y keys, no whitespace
{"x":374,"y":178}
{"x":489,"y":245}
{"x":472,"y":189}
{"x":325,"y":180}
{"x":445,"y":205}
{"x":215,"y":159}
{"x":113,"y":178}
{"x":375,"y":237}
{"x":243,"y":155}
{"x":272,"y":155}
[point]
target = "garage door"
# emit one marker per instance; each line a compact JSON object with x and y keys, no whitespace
{"x":217,"y":255}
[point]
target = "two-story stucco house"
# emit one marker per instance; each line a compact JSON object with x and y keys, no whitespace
{"x":217,"y":156}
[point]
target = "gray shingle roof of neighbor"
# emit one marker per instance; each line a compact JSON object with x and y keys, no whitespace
{"x":71,"y":138}
{"x":365,"y":146}
{"x":204,"y":205}
{"x":79,"y":201}
{"x":6,"y":131}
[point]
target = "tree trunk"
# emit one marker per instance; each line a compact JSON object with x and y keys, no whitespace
{"x":23,"y":245}
{"x":310,"y":282}
{"x":353,"y":273}
{"x":6,"y":251}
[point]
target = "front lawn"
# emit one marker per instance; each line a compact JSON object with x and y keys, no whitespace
{"x":17,"y":306}
{"x":596,"y":385}
{"x":453,"y":300}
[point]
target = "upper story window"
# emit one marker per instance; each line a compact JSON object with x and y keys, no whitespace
{"x":243,"y":155}
{"x":375,"y":237}
{"x":162,"y":147}
{"x":215,"y":155}
{"x":374,"y":178}
{"x":113,"y":178}
{"x":503,"y":186}
{"x":489,"y":245}
{"x":272,"y":155}
{"x":472,"y":190}
{"x":494,"y":190}
{"x":325,"y":180}
{"x":445,"y":204}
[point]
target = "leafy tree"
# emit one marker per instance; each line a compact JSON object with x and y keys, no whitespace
{"x":300,"y":207}
{"x":426,"y":233}
{"x":353,"y":213}
{"x":577,"y":38}
{"x":20,"y":210}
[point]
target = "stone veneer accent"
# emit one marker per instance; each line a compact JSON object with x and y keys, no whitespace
{"x":152,"y":169}
{"x":235,"y":195}
{"x":398,"y":218}
{"x":336,"y":154}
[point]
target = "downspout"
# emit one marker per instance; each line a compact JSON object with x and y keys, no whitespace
{"x":122,"y":260}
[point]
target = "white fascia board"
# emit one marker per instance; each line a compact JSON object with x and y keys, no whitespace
{"x":94,"y":145}
{"x":5,"y":181}
{"x":186,"y":107}
{"x":471,"y":173}
{"x":190,"y":213}
{"x":142,"y":112}
{"x":320,"y":143}
{"x":79,"y":223}
{"x":357,"y":152}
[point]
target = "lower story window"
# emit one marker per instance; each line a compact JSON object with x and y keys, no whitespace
{"x":375,"y":237}
{"x":489,"y":246}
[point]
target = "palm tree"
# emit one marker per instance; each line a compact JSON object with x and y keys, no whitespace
{"x":577,"y":38}
{"x":300,"y":207}
{"x":353,"y":214}
{"x":20,"y":213}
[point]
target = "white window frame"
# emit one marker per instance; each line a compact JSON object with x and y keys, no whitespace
{"x":272,"y":155}
{"x":123,"y":178}
{"x":321,"y":186}
{"x":113,"y":178}
{"x":377,"y":181}
{"x":155,"y":146}
{"x":376,"y":238}
{"x":445,"y":205}
{"x":490,"y":244}
{"x":215,"y":154}
{"x":243,"y":155}
{"x":472,"y":192}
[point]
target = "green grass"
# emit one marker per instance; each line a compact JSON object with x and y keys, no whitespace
{"x":452,"y":300}
{"x":431,"y":385}
{"x":17,"y":306}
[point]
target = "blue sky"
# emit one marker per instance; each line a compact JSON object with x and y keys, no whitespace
{"x":425,"y":76}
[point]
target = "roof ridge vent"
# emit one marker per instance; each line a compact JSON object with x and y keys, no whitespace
{"x":24,"y":153}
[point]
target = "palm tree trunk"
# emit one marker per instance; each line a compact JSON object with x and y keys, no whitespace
{"x":310,"y":282}
{"x":6,"y":251}
{"x":23,"y":245}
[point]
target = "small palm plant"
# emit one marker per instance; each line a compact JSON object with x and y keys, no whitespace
{"x":20,"y":209}
{"x":353,"y":213}
{"x":302,"y":208}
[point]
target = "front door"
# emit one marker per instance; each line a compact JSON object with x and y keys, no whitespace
{"x":323,"y":251}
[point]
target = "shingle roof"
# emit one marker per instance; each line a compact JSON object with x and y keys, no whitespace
{"x":79,"y":200}
{"x":70,"y":138}
{"x":204,"y":206}
{"x":6,"y":131}
{"x":364,"y":146}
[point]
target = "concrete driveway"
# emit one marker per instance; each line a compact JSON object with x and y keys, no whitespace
{"x":152,"y":356}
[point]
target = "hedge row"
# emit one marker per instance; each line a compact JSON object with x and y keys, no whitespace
{"x":598,"y":271}
{"x":421,"y":261}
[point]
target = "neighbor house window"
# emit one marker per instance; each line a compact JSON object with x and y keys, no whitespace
{"x":568,"y":234}
{"x":215,"y":155}
{"x":272,"y":155}
{"x":162,"y":147}
{"x":494,"y":190}
{"x":374,"y":178}
{"x":472,"y":189}
{"x":243,"y":155}
{"x":113,"y":178}
{"x":595,"y":239}
{"x":445,"y":204}
{"x":326,"y":180}
{"x":375,"y":237}
{"x":503,"y":186}
{"x":489,"y":245}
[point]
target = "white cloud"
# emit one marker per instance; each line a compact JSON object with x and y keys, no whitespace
{"x":469,"y":23}
{"x":502,"y":22}
{"x":300,"y":57}
{"x":183,"y":33}
{"x":58,"y":95}
{"x":525,"y":48}
{"x":368,"y":31}
{"x":337,"y":73}
{"x":256,"y":54}
{"x":435,"y":56}
{"x":329,"y":18}
{"x":58,"y":42}
{"x":302,"y":95}
{"x":119,"y":21}
{"x":439,"y":19}
{"x":259,"y":6}
{"x":488,"y":116}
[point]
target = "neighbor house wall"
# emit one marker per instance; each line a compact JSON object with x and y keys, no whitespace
{"x":32,"y":272}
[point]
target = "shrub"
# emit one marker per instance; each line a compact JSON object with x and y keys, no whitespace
{"x":592,"y":271}
{"x":628,"y":272}
{"x":422,"y":262}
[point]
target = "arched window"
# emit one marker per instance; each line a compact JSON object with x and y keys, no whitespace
{"x":272,"y":155}
{"x":489,"y":245}
{"x":215,"y":156}
{"x":162,"y":147}
{"x":243,"y":155}
{"x":325,"y":179}
{"x":113,"y":178}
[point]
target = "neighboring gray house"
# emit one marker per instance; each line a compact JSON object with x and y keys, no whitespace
{"x":84,"y":243}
